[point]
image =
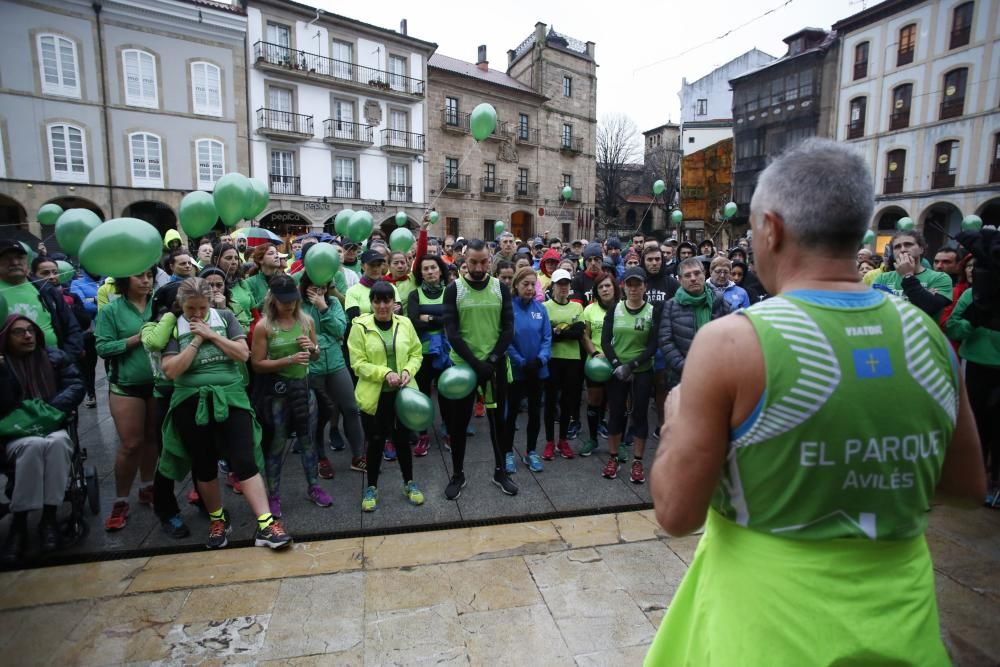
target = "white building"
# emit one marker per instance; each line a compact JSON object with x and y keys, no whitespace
{"x":707,"y":103}
{"x":919,"y":96}
{"x":338,"y":115}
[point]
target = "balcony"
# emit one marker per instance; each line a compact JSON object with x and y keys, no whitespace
{"x":752,"y":163}
{"x":347,"y":135}
{"x":904,"y":57}
{"x":284,"y":124}
{"x":952,"y":108}
{"x":346,"y":189}
{"x":943,"y":178}
{"x":285,"y":185}
{"x":401,"y":142}
{"x":456,"y":183}
{"x":856,"y":129}
{"x":960,"y":37}
{"x":282,"y":59}
{"x":860,"y":70}
{"x":573,"y":145}
{"x":453,"y":121}
{"x":576,"y":197}
{"x":492,"y":187}
{"x":893,"y":185}
{"x":995,"y":172}
{"x":401,"y":193}
{"x":899,"y":120}
{"x":526,"y":135}
{"x":526,"y":190}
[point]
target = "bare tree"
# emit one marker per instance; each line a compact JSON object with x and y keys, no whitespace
{"x":618,"y":147}
{"x":663,"y":163}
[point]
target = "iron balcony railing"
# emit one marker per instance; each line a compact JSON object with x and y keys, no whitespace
{"x":855,"y":129}
{"x":402,"y":140}
{"x":339,"y":130}
{"x":577,"y":195}
{"x":274,"y":120}
{"x":893,"y":185}
{"x":860,"y":69}
{"x":285,"y":185}
{"x":571,"y":144}
{"x":403,"y":193}
{"x":493,"y":186}
{"x":452,"y":119}
{"x":526,"y":135}
{"x":943,"y":178}
{"x":952,"y":108}
{"x":455,"y":181}
{"x":313,"y":63}
{"x":526,"y":190}
{"x":346,"y":189}
{"x":899,"y":120}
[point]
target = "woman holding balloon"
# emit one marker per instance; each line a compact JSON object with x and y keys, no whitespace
{"x":606,"y":297}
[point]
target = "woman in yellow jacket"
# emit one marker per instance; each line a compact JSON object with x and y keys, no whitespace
{"x":385,"y":354}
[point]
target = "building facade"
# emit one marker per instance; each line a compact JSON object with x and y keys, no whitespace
{"x":706,"y":187}
{"x":118,"y":107}
{"x":919,"y":96}
{"x":780,"y":104}
{"x":338,"y":114}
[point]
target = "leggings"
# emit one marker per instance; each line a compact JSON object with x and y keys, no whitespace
{"x":164,"y":501}
{"x":207,"y":443}
{"x":380,"y":426}
{"x":530,"y":388}
{"x":276,"y":440}
{"x":459,"y":412}
{"x":983,"y":387}
{"x":88,"y":364}
{"x":638,"y":388}
{"x":426,"y":377}
{"x":562,"y":387}
{"x":335,"y":397}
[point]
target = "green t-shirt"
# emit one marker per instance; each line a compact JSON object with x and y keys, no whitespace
{"x":561,"y":317}
{"x":210,"y":367}
{"x":403,"y":289}
{"x":282,"y":343}
{"x":479,"y":312}
{"x":117,"y":322}
{"x":24,"y":299}
{"x":630,"y":333}
{"x":390,"y":351}
{"x":933,"y":281}
{"x":594,"y":316}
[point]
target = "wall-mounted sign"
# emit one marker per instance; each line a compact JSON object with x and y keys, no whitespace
{"x":943,"y":158}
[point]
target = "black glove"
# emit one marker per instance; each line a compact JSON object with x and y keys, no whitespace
{"x":484,"y":371}
{"x":624,"y":372}
{"x":532,"y":367}
{"x":576,"y":330}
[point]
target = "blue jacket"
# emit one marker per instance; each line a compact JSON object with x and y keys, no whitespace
{"x":734,"y":295}
{"x":532,"y":337}
{"x":86,"y":288}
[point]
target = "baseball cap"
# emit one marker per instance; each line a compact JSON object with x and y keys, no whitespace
{"x":634,"y":272}
{"x":536,"y":242}
{"x":11,"y":244}
{"x":577,"y":242}
{"x":371,"y":257}
{"x":561,"y":274}
{"x":283,"y":288}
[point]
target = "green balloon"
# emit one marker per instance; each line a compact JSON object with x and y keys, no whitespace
{"x":414,"y":409}
{"x":66,"y":271}
{"x":197,"y":213}
{"x":322,"y":262}
{"x":259,"y":200}
{"x":677,"y":217}
{"x":121,"y":247}
{"x":340,"y":222}
{"x":360,"y":226}
{"x":401,"y":239}
{"x":73,"y":226}
{"x":869,"y":238}
{"x":972,"y":223}
{"x":49,"y":213}
{"x":498,"y":228}
{"x":483,"y":121}
{"x":597,"y":369}
{"x":434,"y":217}
{"x":4,"y":311}
{"x":659,"y":187}
{"x":730,"y":210}
{"x":401,"y":219}
{"x":904,"y":224}
{"x":457,"y":382}
{"x":233,"y":195}
{"x":567,"y":192}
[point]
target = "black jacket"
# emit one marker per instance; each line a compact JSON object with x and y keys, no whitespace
{"x":677,"y":330}
{"x":661,"y":288}
{"x":63,"y":321}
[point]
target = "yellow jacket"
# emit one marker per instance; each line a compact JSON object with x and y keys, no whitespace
{"x":369,"y":357}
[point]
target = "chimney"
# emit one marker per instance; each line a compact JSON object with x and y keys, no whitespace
{"x":482,"y":63}
{"x":540,"y":33}
{"x":402,"y":27}
{"x":590,"y":50}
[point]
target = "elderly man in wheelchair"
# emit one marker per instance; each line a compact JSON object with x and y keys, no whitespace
{"x":40,"y":388}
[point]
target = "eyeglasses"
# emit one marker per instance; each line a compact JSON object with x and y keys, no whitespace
{"x":721,"y":272}
{"x":21,"y":332}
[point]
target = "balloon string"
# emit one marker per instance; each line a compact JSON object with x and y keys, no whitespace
{"x":430,"y":205}
{"x":636,"y":231}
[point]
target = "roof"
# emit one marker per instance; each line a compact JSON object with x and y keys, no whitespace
{"x":662,"y":127}
{"x":555,"y":40}
{"x":491,"y":76}
{"x":873,"y":14}
{"x":221,"y":5}
{"x":724,"y":65}
{"x":822,"y":47}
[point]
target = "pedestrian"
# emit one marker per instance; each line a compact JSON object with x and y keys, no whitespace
{"x":928,"y":290}
{"x":562,"y":390}
{"x":723,"y":287}
{"x":606,"y":297}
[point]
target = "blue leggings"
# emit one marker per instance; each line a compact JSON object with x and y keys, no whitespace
{"x":276,"y":440}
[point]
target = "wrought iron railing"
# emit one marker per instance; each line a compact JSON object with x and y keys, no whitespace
{"x":493,"y":186}
{"x":455,"y":181}
{"x":571,"y":144}
{"x":403,"y":193}
{"x":284,"y":121}
{"x":855,"y":129}
{"x":893,"y":185}
{"x":400,"y":139}
{"x":952,"y":108}
{"x":285,"y":185}
{"x":334,"y":130}
{"x":943,"y":178}
{"x":526,"y":189}
{"x":346,"y":189}
{"x":899,"y":120}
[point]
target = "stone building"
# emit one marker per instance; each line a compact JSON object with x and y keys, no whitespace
{"x":545,"y":139}
{"x":119,"y":107}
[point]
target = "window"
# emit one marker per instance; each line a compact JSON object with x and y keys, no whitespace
{"x":946,"y":157}
{"x":792,"y":87}
{"x":907,"y":45}
{"x":399,"y":182}
{"x":489,"y":177}
{"x":211,"y":162}
{"x":206,"y":88}
{"x":691,"y":140}
{"x":567,"y":86}
{"x":140,"y":78}
{"x":279,"y":102}
{"x":67,"y":153}
{"x":702,"y":108}
{"x":147,"y":171}
{"x":522,"y":181}
{"x":283,"y":180}
{"x":451,"y":171}
{"x":861,"y":60}
{"x":343,"y":56}
{"x":344,"y":184}
{"x":397,"y":73}
{"x":899,"y":117}
{"x":451,"y":110}
{"x":995,"y":165}
{"x":279,"y":36}
{"x":895,"y":169}
{"x":522,"y":126}
{"x":961,"y":25}
{"x":856,"y":126}
{"x":3,"y":163}
{"x":953,"y":102}
{"x":806,"y":83}
{"x":567,"y":179}
{"x":567,"y":135}
{"x":399,"y":125}
{"x":57,"y":59}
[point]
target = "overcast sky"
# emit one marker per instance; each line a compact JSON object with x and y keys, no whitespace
{"x":632,"y":37}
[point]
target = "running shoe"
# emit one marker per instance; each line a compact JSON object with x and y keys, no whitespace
{"x":469,"y":430}
{"x":533,"y":461}
{"x":274,"y":503}
{"x":504,"y":482}
{"x":325,"y":469}
{"x":549,"y":453}
{"x":455,"y":486}
{"x":480,"y":407}
{"x":175,"y":527}
{"x":218,"y":533}
{"x":611,"y":468}
{"x":336,"y":440}
{"x":413,"y":494}
{"x":233,"y":482}
{"x":223,"y":466}
{"x":423,"y":444}
{"x":274,"y":536}
{"x":573,"y":430}
{"x":91,"y":401}
{"x":389,"y":451}
{"x":359,"y":464}
{"x":146,"y":495}
{"x":369,"y":503}
{"x":508,"y":464}
{"x":118,"y":517}
{"x":588,"y":447}
{"x":318,"y":496}
{"x":637,"y":476}
{"x":564,"y":450}
{"x":602,"y":429}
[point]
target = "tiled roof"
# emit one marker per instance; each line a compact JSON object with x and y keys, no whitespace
{"x":491,"y":76}
{"x":232,"y":7}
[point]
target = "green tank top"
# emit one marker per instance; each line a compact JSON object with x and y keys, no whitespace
{"x":479,"y":317}
{"x":594,"y":316}
{"x":831,"y":451}
{"x":210,"y":366}
{"x":564,"y":315}
{"x":281,"y":343}
{"x":630,"y":333}
{"x":425,"y":300}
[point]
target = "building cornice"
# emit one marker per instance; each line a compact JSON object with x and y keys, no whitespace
{"x":174,"y":15}
{"x":874,"y":14}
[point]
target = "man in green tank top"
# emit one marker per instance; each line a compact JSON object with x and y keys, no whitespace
{"x":809,"y":434}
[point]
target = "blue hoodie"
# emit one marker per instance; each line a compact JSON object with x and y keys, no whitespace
{"x":85,"y":287}
{"x":532,"y":338}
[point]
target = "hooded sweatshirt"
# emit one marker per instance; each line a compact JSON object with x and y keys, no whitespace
{"x":545,"y":276}
{"x":171,"y":235}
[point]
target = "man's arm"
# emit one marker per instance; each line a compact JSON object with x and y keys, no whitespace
{"x":963,"y":478}
{"x":923,"y":298}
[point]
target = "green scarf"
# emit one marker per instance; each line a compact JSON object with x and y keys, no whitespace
{"x":702,"y":304}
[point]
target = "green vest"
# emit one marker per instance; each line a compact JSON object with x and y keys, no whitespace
{"x":630,"y":333}
{"x":425,"y":300}
{"x":850,"y":435}
{"x":479,"y":313}
{"x":562,"y":316}
{"x":594,"y":316}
